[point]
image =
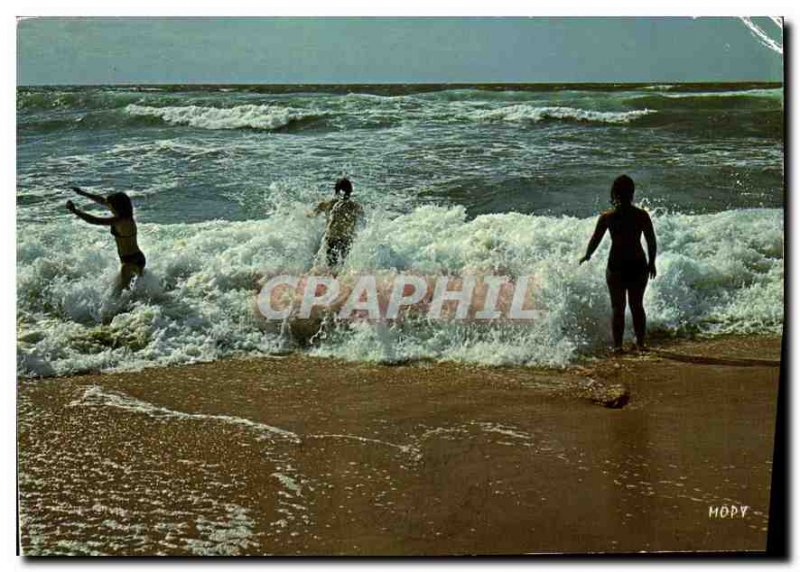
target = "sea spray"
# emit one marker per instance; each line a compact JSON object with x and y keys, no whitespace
{"x":454,"y":180}
{"x":718,"y":273}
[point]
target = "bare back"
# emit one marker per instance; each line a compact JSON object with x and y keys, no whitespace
{"x":626,"y":224}
{"x":343,"y":216}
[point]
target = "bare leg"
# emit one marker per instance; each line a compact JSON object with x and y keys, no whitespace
{"x":617,"y":292}
{"x":126,"y":274}
{"x":337,"y":251}
{"x":332,"y":253}
{"x":635,"y":299}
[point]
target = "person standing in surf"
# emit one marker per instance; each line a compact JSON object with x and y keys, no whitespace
{"x":123,"y":227}
{"x":343,"y":214}
{"x":628,"y":269}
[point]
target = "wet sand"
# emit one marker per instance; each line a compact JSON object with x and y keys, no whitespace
{"x":296,"y":455}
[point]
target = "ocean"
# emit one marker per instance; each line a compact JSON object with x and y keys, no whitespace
{"x":454,"y":179}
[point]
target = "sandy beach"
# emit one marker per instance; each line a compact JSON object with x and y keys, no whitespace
{"x":346,"y":286}
{"x":297,"y":455}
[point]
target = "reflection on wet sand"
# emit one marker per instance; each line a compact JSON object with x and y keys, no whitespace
{"x":311,"y":456}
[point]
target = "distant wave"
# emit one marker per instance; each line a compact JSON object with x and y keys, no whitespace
{"x":761,"y":92}
{"x":705,"y":104}
{"x":758,"y":98}
{"x":267,"y":117}
{"x":32,"y":101}
{"x":528,"y":113}
{"x":37,"y":100}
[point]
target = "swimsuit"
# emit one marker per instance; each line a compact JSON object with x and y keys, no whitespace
{"x":137,"y":258}
{"x":628,"y":274}
{"x":627,"y":264}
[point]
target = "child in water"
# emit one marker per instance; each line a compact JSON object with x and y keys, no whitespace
{"x":343,"y":214}
{"x":123,"y":227}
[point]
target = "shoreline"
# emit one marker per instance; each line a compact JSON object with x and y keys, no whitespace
{"x":314,"y":456}
{"x":663,"y":346}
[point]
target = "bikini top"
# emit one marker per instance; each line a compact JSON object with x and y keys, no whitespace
{"x":116,"y":234}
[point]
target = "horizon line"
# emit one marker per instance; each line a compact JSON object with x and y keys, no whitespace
{"x":424,"y":83}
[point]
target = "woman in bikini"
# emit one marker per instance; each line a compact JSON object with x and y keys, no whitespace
{"x":628,"y":269}
{"x":123,"y":227}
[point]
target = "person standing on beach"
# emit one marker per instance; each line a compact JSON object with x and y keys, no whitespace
{"x":343,"y":215}
{"x":628,"y":270}
{"x":123,"y":227}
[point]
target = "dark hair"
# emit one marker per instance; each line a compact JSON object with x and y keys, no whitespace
{"x":121,"y":203}
{"x":622,"y":190}
{"x":345,"y":186}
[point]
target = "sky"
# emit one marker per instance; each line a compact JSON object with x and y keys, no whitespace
{"x":392,"y":50}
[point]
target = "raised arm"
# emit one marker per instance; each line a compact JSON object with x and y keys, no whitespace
{"x":652,"y":247}
{"x":96,"y":198}
{"x":322,"y":207}
{"x":594,"y":242}
{"x":101,"y":221}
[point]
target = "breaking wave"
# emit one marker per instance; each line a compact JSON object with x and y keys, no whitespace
{"x":531,"y":114}
{"x":718,"y":273}
{"x":266,"y":117}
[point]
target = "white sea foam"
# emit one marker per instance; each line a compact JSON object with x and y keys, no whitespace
{"x":288,"y":483}
{"x":773,"y":92}
{"x":94,"y":395}
{"x":533,"y":114}
{"x":241,"y":116}
{"x":718,"y":273}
